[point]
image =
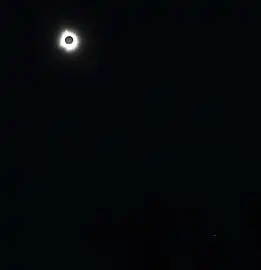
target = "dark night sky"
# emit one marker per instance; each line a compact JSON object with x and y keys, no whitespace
{"x":133,"y":153}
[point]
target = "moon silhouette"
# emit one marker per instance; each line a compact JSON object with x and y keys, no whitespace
{"x":69,"y":40}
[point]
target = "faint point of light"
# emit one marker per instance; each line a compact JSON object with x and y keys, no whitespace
{"x":69,"y":47}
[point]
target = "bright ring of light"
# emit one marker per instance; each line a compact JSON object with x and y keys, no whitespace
{"x":68,"y":47}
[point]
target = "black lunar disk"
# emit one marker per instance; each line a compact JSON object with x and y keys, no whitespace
{"x":69,"y":40}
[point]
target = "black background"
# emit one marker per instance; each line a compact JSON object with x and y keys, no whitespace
{"x":134,"y":152}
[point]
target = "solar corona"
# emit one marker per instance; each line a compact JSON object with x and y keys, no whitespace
{"x":69,"y":41}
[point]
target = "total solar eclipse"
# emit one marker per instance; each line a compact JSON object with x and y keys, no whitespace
{"x":69,"y":41}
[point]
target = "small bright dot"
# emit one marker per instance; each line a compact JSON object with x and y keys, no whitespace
{"x":69,"y":41}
